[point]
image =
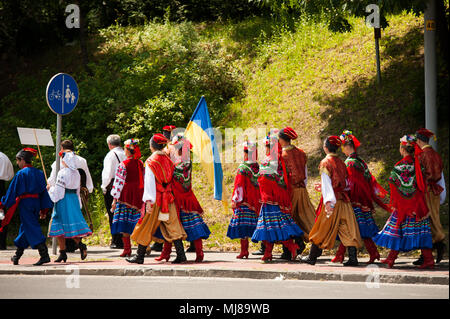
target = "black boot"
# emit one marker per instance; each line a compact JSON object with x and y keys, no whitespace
{"x":83,"y":250}
{"x":419,"y":261}
{"x":62,"y":256}
{"x":314,"y":252}
{"x":181,"y":256}
{"x":157,"y":247}
{"x":440,"y":247}
{"x":191,"y":248}
{"x":352,"y":257}
{"x":43,"y":252}
{"x":301,"y":245}
{"x":286,"y":254}
{"x":139,"y":257}
{"x":261,"y":250}
{"x":16,"y":257}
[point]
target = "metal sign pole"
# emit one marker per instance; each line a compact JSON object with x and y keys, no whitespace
{"x":58,"y":146}
{"x":430,"y":69}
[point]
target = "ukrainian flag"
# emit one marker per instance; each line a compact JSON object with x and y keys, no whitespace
{"x":200,"y":133}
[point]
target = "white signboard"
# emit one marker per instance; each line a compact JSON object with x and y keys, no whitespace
{"x":35,"y":136}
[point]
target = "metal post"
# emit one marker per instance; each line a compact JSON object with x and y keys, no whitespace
{"x":58,"y":146}
{"x":430,"y":69}
{"x":377,"y":53}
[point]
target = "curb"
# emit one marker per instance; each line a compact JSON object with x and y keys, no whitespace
{"x":392,"y":278}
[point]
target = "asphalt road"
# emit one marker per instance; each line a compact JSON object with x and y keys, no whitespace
{"x":130,"y":287}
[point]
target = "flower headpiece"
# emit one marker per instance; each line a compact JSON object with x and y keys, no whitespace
{"x":348,"y":136}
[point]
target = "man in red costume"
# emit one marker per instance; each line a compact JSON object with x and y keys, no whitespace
{"x":302,"y":209}
{"x":335,"y":212}
{"x":431,"y":163}
{"x":160,"y":209}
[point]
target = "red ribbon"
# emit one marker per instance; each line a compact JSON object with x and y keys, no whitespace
{"x":13,"y":208}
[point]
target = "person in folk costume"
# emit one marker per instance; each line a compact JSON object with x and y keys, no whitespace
{"x":111,"y":161}
{"x":364,"y":190}
{"x":246,"y":199}
{"x":302,"y":209}
{"x":408,"y":227}
{"x":335,"y":216}
{"x":188,"y":207}
{"x":28,"y":193}
{"x":127,"y":191}
{"x":6,"y":174}
{"x":158,"y":241}
{"x":275,"y":223}
{"x":67,"y":219}
{"x":86,"y":185}
{"x":160,"y":209}
{"x":435,"y":194}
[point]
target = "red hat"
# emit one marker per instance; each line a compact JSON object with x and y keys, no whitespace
{"x":169,"y":128}
{"x":31,"y":150}
{"x":334,"y":140}
{"x":160,"y":139}
{"x":424,"y":134}
{"x":289,"y":132}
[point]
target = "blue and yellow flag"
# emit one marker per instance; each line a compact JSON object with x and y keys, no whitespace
{"x":200,"y":133}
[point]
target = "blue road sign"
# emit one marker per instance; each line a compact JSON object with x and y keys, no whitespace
{"x":62,"y":94}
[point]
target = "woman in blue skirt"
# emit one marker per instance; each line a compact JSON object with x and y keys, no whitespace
{"x":245,"y":200}
{"x":275,"y":224}
{"x":408,"y":227}
{"x":127,"y":192}
{"x":67,"y":221}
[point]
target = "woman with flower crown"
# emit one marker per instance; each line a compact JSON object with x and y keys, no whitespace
{"x":245,"y":199}
{"x":408,"y":227}
{"x":127,"y":191}
{"x":275,"y":223}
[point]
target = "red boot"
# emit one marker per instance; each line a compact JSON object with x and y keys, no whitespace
{"x":292,"y":247}
{"x":165,"y":254}
{"x":428,"y":260}
{"x":198,"y":250}
{"x":126,"y":247}
{"x":339,"y":258}
{"x":244,"y":249}
{"x":372,"y":250}
{"x":391,"y":258}
{"x":268,"y":251}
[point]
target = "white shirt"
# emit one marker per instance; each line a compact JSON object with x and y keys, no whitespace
{"x":327,"y":189}
{"x":66,"y":178}
{"x":6,"y":168}
{"x":149,"y":186}
{"x":80,"y":163}
{"x":443,"y":194}
{"x":110,"y":164}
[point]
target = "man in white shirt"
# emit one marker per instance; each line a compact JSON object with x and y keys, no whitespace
{"x":6,"y":174}
{"x":86,"y":181}
{"x":114,"y":157}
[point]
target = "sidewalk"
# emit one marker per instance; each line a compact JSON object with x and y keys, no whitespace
{"x":106,"y":262}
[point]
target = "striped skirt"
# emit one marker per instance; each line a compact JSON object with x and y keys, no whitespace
{"x":243,"y":223}
{"x":274,"y":225}
{"x":194,"y":226}
{"x":125,"y":219}
{"x":367,"y":226}
{"x":409,"y":235}
{"x":67,"y":219}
